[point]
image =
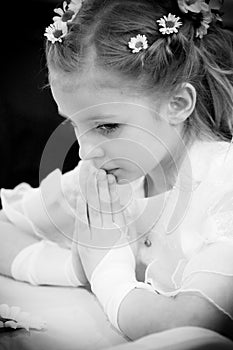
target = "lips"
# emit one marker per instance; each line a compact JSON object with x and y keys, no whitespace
{"x":111,"y":171}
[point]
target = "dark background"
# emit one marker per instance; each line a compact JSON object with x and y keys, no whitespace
{"x":28,"y":114}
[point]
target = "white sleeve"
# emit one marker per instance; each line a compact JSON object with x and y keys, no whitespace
{"x":46,"y":209}
{"x":45,"y":263}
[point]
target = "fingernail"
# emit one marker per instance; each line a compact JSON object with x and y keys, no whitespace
{"x":111,"y":179}
{"x":101,"y":175}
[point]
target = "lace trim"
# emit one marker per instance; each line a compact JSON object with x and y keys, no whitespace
{"x":224,"y":223}
{"x":206,"y":271}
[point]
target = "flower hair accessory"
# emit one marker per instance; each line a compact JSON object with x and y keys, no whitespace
{"x":59,"y":28}
{"x":138,"y":43}
{"x":203,"y":12}
{"x":169,"y":24}
{"x":56,"y":31}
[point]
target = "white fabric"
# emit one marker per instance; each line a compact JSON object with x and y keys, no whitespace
{"x":196,"y":257}
{"x":181,"y":338}
{"x":172,"y":258}
{"x":73,"y":316}
{"x":75,"y":321}
{"x":113,"y":278}
{"x":49,"y":210}
{"x":45,"y":263}
{"x":13,"y":317}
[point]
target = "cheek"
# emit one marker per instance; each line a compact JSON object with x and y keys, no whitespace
{"x":132,"y":153}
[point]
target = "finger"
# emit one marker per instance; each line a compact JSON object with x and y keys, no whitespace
{"x":104,"y":199}
{"x":85,"y":169}
{"x":117,"y":210}
{"x":81,"y":231}
{"x":93,"y":204}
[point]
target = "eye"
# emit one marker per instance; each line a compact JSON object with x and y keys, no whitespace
{"x":107,"y":129}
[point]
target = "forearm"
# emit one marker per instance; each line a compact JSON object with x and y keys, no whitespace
{"x":13,"y":241}
{"x":142,"y":313}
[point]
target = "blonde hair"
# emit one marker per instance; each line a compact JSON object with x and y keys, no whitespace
{"x":101,"y":30}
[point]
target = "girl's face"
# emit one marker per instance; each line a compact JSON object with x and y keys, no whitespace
{"x":126,"y":135}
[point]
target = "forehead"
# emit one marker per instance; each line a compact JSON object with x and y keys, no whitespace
{"x":92,"y":94}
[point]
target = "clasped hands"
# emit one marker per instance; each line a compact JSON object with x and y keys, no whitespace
{"x":101,"y":224}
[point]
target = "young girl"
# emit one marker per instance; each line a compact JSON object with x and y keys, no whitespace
{"x":148,"y":87}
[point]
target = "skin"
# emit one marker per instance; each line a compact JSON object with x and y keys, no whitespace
{"x":145,"y":132}
{"x":141,"y":312}
{"x":73,"y":96}
{"x":141,"y":145}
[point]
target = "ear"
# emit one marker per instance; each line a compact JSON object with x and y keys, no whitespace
{"x":181,"y":105}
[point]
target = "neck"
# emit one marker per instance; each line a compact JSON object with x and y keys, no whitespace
{"x":164,"y":176}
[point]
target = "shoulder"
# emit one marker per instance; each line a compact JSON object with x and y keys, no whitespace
{"x":212,"y":161}
{"x":216,"y":258}
{"x":209,"y":214}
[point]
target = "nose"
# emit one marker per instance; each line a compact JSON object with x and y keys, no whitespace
{"x":88,"y":151}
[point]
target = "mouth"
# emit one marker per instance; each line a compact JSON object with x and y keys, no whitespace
{"x":111,"y":171}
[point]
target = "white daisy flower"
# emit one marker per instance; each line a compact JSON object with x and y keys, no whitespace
{"x":75,"y":5}
{"x":60,"y":12}
{"x":195,"y":6}
{"x":13,"y":317}
{"x":56,"y":31}
{"x":68,"y":12}
{"x":169,"y":23}
{"x":138,"y":43}
{"x":202,"y":30}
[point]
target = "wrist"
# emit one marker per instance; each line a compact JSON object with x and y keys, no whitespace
{"x":112,"y":281}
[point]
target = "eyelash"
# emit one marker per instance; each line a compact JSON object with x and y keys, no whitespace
{"x":105,"y":129}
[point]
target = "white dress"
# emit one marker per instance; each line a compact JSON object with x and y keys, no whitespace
{"x":190,"y":227}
